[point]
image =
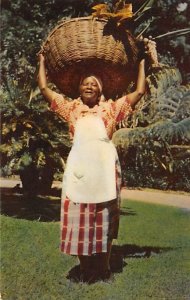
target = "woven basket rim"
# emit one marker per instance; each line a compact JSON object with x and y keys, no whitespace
{"x":61,"y":22}
{"x":81,"y":19}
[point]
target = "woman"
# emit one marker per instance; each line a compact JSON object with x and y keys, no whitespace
{"x":91,"y":183}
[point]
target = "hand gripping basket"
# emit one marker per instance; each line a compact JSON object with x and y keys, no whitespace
{"x":88,"y":45}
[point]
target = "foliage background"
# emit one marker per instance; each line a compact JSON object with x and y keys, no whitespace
{"x":33,"y":139}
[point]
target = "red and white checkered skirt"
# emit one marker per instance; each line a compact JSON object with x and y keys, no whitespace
{"x":87,"y":228}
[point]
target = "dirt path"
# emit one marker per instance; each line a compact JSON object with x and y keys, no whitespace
{"x":160,"y":197}
{"x":178,"y":199}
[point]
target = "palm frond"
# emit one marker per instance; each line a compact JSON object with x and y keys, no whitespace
{"x":172,"y":132}
{"x":144,"y":7}
{"x":173,"y":33}
{"x":140,"y":15}
{"x":144,"y":30}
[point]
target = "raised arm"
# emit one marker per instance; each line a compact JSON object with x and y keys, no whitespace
{"x":59,"y":104}
{"x":134,"y":97}
{"x":42,"y":80}
{"x":150,"y":47}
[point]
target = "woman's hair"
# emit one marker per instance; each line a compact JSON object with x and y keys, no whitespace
{"x":98,"y":80}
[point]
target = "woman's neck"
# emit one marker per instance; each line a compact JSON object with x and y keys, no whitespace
{"x":90,"y":104}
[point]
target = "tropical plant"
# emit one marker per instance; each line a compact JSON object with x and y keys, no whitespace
{"x":155,"y":151}
{"x":32,"y":136}
{"x":33,"y":142}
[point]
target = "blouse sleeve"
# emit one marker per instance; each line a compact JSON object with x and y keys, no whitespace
{"x":122,"y":109}
{"x":61,"y":106}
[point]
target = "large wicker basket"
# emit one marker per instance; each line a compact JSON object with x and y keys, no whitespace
{"x":88,"y":45}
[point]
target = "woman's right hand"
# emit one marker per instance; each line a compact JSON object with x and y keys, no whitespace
{"x":41,"y":58}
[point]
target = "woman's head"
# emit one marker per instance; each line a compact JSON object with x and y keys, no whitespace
{"x":90,"y":90}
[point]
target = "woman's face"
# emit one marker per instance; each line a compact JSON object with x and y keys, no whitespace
{"x":89,"y":91}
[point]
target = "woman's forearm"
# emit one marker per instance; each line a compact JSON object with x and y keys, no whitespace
{"x":134,"y":97}
{"x":151,"y":52}
{"x":141,"y":83}
{"x":42,"y":81}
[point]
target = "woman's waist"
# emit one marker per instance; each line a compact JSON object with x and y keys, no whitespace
{"x":100,"y":145}
{"x":82,"y":140}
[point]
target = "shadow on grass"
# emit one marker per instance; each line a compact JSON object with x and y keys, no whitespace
{"x":45,"y":208}
{"x":119,"y":253}
{"x":127,"y":212}
{"x":117,"y":262}
{"x":133,"y":251}
{"x":14,"y":203}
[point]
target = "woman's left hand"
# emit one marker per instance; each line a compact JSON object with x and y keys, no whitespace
{"x":150,"y":50}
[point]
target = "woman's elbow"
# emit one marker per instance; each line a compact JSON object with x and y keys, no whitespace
{"x":137,"y":96}
{"x":140,"y":93}
{"x":140,"y":90}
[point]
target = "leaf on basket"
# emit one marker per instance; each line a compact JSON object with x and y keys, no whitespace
{"x":105,"y":15}
{"x":101,"y":10}
{"x":99,"y":7}
{"x":120,"y":15}
{"x":123,"y":14}
{"x":126,"y":11}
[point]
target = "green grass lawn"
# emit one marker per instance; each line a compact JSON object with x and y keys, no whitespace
{"x":154,"y":240}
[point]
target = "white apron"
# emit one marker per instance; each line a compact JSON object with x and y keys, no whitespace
{"x":89,"y":176}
